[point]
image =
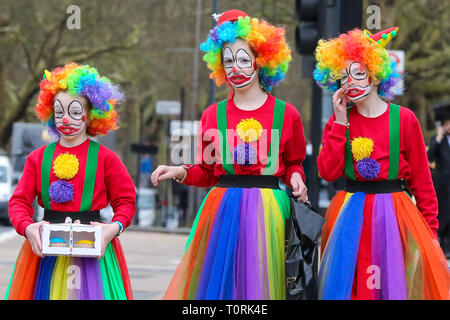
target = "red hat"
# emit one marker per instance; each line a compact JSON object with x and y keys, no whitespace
{"x":382,"y":38}
{"x":231,"y":15}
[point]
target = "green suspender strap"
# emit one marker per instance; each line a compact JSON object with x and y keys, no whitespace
{"x":90,"y":175}
{"x":45,"y":173}
{"x":349,"y":170}
{"x":89,"y":178}
{"x":225,"y":154}
{"x":277,"y":125}
{"x":394,"y":140}
{"x":394,"y":145}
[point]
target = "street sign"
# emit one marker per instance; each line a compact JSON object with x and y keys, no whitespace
{"x":168,"y":107}
{"x":399,"y":57}
{"x":143,"y":148}
{"x":146,"y":165}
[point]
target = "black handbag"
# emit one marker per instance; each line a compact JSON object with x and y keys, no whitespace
{"x":302,"y":232}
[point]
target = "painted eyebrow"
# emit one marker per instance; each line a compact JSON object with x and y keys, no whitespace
{"x":81,"y":105}
{"x":360,"y":68}
{"x":245,"y":52}
{"x":57,"y":100}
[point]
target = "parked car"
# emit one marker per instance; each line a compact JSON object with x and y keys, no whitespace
{"x":5,"y":187}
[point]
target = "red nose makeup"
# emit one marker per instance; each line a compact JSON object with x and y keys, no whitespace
{"x":349,"y":79}
{"x":65,"y":121}
{"x":235,"y":69}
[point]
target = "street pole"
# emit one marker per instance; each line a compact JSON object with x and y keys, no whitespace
{"x":212,"y":83}
{"x":168,"y":160}
{"x":192,"y":192}
{"x":138,"y":167}
{"x":193,"y":110}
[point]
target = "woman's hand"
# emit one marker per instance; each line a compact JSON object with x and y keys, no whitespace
{"x":167,"y":172}
{"x":299,"y":190}
{"x":440,"y":133}
{"x":109,"y":231}
{"x":340,"y":106}
{"x":33,"y":234}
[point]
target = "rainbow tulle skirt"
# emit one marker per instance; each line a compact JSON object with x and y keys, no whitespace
{"x":378,"y":246}
{"x":236,"y":247}
{"x":70,"y":278}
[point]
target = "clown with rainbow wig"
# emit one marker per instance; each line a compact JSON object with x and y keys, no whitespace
{"x":73,"y":177}
{"x":379,"y":238}
{"x":247,"y":143}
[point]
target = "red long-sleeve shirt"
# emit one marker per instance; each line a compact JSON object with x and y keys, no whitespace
{"x":413,"y":162}
{"x":113,"y":184}
{"x":208,"y":169}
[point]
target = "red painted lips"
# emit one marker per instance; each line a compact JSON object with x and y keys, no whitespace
{"x":67,"y":129}
{"x":353,"y":92}
{"x":239,"y":79}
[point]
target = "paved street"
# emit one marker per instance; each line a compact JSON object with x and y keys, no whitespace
{"x":151,"y":256}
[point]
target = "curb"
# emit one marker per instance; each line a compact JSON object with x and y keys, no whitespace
{"x":160,"y":229}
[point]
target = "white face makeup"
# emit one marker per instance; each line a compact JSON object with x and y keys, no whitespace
{"x":70,"y":115}
{"x":356,"y":81}
{"x":239,"y":64}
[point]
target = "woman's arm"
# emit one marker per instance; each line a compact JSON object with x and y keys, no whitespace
{"x":20,"y":206}
{"x":331,"y":159}
{"x":120,"y":189}
{"x":420,"y":182}
{"x":295,"y":146}
{"x":201,"y":174}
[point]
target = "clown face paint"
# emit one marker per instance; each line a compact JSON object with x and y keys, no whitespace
{"x":356,"y":80}
{"x":70,"y":114}
{"x":239,"y":64}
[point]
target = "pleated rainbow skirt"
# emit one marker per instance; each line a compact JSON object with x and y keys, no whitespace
{"x":236,"y":247}
{"x":70,"y":278}
{"x":378,"y":246}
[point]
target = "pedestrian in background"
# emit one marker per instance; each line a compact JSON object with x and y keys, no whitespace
{"x":439,"y":152}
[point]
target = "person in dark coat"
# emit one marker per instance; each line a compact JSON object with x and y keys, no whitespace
{"x":439,"y":152}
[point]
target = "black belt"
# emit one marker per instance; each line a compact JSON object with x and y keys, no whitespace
{"x":85,"y":217}
{"x":372,"y":187}
{"x":247,"y":181}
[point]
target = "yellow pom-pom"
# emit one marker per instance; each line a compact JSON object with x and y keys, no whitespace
{"x":66,"y":166}
{"x":249,"y":130}
{"x":362,"y":148}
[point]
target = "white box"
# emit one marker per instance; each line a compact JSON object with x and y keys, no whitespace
{"x":69,"y":235}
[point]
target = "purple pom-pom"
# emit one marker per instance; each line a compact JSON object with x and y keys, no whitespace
{"x":368,"y":168}
{"x":61,"y":191}
{"x":244,"y":154}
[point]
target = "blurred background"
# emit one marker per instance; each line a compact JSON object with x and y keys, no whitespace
{"x":150,"y":48}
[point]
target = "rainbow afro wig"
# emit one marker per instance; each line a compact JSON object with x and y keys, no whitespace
{"x":267,"y":41}
{"x":80,"y":80}
{"x":361,"y":46}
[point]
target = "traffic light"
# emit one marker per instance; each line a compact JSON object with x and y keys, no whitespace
{"x":310,"y":15}
{"x":308,"y":30}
